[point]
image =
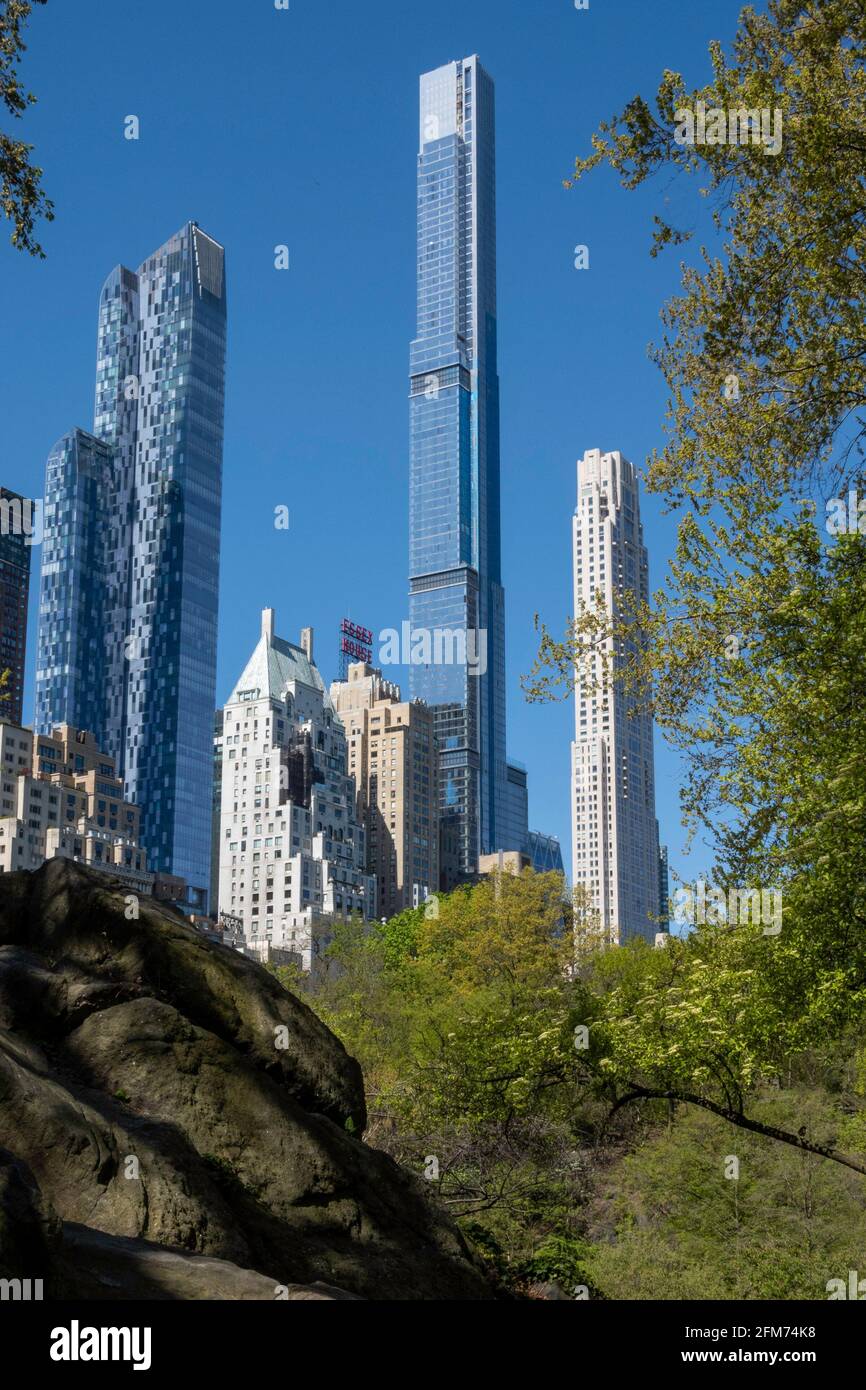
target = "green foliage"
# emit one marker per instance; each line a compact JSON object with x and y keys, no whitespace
{"x":400,"y":936}
{"x":21,"y":196}
{"x":461,"y":1022}
{"x":753,"y":656}
{"x":671,"y":1225}
{"x":291,"y":977}
{"x":779,"y":308}
{"x":782,"y":306}
{"x":464,"y":1025}
{"x":560,"y":1260}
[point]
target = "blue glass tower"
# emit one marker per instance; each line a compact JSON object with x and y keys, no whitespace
{"x":515,"y":828}
{"x":455,"y":577}
{"x":545,"y":853}
{"x":73,"y":646}
{"x":20,"y":529}
{"x":150,"y":687}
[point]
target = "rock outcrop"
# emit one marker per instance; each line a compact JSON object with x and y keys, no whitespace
{"x":177,"y":1125}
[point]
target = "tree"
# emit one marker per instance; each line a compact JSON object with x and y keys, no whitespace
{"x":21,"y":195}
{"x":461,"y":1022}
{"x":459,"y":1018}
{"x":469,"y":1028}
{"x":681,"y":1221}
{"x":783,"y":308}
{"x":707,"y":1019}
{"x":764,"y":351}
{"x":752,"y":655}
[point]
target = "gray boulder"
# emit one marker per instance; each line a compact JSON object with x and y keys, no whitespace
{"x":176,"y":1121}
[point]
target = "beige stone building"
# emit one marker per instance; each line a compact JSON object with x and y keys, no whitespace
{"x":393,"y":758}
{"x":60,"y":796}
{"x":506,"y":861}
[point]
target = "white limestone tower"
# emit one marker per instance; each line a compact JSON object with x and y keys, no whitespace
{"x":615,"y":854}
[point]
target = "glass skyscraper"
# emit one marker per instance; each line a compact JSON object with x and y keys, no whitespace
{"x":545,"y":853}
{"x":132,"y":531}
{"x":19,"y":530}
{"x":514,"y":826}
{"x":73,"y":642}
{"x":455,"y":578}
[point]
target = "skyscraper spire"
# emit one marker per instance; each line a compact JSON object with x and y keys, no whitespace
{"x":455,"y":578}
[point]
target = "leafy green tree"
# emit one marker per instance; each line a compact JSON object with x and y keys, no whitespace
{"x":460,"y":1017}
{"x":400,"y":935}
{"x":707,"y":1018}
{"x":675,"y":1219}
{"x":465,"y":1025}
{"x":752,"y":655}
{"x":21,"y":194}
{"x":783,"y":307}
{"x":763,"y":354}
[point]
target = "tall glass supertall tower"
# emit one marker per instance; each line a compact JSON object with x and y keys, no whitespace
{"x":130,"y":573}
{"x":455,"y":575}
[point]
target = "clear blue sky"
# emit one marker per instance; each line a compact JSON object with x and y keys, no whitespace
{"x":300,"y":127}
